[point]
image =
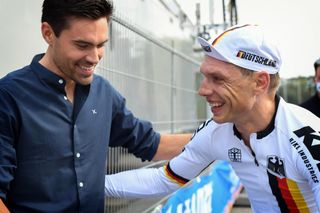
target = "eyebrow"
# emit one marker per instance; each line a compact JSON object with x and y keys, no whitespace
{"x":89,"y":43}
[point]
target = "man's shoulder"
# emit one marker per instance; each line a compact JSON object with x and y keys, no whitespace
{"x":209,"y":128}
{"x":103,"y":86}
{"x":99,"y":80}
{"x":291,"y":117}
{"x":309,"y":102}
{"x":312,"y":104}
{"x":13,"y":77}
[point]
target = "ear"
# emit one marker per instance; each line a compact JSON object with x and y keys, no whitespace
{"x":47,"y":32}
{"x":262,"y":82}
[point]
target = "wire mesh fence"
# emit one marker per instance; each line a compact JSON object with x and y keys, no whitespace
{"x":159,"y":84}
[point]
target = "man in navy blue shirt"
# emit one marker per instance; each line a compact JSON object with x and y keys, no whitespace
{"x":57,"y":118}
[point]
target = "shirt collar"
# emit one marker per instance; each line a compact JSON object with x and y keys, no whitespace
{"x":46,"y":75}
{"x":267,"y":130}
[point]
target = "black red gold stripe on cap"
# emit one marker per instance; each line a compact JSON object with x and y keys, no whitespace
{"x":287,"y":194}
{"x":227,"y":31}
{"x":173,"y":176}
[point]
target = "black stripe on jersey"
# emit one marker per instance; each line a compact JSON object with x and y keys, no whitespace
{"x":273,"y":182}
{"x":309,"y":140}
{"x":178,"y":177}
{"x":204,"y":124}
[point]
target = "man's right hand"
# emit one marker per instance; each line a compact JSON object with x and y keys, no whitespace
{"x":3,"y":208}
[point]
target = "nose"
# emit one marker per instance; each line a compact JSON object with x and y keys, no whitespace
{"x":94,"y":55}
{"x":204,"y":89}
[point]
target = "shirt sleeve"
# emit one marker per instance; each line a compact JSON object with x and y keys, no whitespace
{"x":8,"y":133}
{"x":197,"y":155}
{"x":139,"y":183}
{"x":143,"y":183}
{"x":132,"y":133}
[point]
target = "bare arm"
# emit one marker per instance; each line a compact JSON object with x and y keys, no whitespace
{"x":3,"y":208}
{"x":171,"y":145}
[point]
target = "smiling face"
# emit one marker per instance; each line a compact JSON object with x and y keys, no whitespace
{"x":78,"y":49}
{"x":230,"y":93}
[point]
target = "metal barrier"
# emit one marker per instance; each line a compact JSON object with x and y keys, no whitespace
{"x":160,"y":85}
{"x":297,"y":90}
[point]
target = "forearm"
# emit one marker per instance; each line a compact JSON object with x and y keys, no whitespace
{"x":139,"y":183}
{"x":3,"y":208}
{"x":171,"y":145}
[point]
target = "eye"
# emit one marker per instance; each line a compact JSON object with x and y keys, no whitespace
{"x":82,"y":46}
{"x":101,"y":45}
{"x":216,"y":78}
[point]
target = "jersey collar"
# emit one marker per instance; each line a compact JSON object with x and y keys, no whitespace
{"x":267,"y":130}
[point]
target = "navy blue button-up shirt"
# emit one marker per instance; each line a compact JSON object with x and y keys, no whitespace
{"x":53,"y":152}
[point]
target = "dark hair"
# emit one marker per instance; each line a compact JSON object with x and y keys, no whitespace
{"x":316,"y":64}
{"x":58,"y":12}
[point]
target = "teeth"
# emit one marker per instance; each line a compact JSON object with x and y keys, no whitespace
{"x":87,"y":68}
{"x":215,"y":104}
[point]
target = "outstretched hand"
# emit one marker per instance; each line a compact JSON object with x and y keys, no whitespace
{"x":3,"y":208}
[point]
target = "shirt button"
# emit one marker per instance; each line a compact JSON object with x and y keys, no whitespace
{"x":65,"y":97}
{"x":60,"y":81}
{"x":78,"y":155}
{"x":81,"y":184}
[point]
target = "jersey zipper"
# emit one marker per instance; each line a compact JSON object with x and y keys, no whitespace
{"x":255,"y":159}
{"x":252,"y":152}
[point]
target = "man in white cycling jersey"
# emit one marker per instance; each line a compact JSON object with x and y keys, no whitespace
{"x":273,"y":146}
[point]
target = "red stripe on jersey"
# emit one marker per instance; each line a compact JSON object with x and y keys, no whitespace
{"x":173,"y":176}
{"x":286,"y":194}
{"x":299,"y":203}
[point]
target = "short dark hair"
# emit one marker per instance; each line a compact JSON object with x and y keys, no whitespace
{"x":58,"y":12}
{"x":316,"y":64}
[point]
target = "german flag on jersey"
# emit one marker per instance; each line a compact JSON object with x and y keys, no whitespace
{"x":173,"y":176}
{"x":288,"y":194}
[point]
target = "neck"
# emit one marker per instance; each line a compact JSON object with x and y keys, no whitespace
{"x":258,"y":119}
{"x":69,"y":89}
{"x":48,"y":63}
{"x":70,"y":84}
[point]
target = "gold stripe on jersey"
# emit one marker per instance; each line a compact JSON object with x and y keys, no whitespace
{"x":297,"y":196}
{"x":288,"y":195}
{"x":174,"y":177}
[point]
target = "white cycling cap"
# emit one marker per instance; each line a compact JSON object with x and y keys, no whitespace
{"x":245,"y":46}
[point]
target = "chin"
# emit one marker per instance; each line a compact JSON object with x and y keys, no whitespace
{"x":218,"y":120}
{"x":85,"y":81}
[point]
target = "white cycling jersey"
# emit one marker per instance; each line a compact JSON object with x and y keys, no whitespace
{"x":280,"y":174}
